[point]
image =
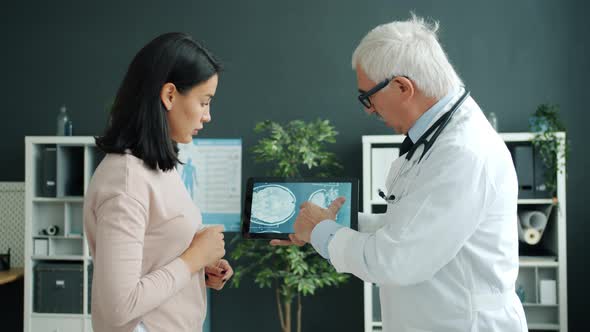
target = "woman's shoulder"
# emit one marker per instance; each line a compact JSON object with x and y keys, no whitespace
{"x":122,"y":174}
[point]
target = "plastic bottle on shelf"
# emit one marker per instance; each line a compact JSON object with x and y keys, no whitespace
{"x":62,"y":121}
{"x":69,"y":129}
{"x":521,"y":293}
{"x":493,"y":119}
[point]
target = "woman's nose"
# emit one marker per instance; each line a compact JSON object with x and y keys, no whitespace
{"x":207,"y":116}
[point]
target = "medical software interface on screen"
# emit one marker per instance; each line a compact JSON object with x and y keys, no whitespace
{"x":276,"y":205}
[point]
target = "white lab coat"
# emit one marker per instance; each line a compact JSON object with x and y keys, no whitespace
{"x":445,"y":254}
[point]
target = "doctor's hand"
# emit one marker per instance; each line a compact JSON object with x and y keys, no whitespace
{"x":309,"y":216}
{"x":293,"y":241}
{"x":216,"y":275}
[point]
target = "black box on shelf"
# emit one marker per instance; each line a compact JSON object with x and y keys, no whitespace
{"x":70,"y":175}
{"x":524,"y":164}
{"x":58,"y":288}
{"x":531,"y":171}
{"x":49,"y":171}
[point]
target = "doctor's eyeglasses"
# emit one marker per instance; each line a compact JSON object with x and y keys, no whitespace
{"x":364,"y":97}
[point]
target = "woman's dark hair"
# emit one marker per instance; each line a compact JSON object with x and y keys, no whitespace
{"x":138,"y":120}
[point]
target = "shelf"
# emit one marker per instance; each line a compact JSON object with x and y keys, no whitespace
{"x":383,"y":139}
{"x":60,"y":258}
{"x":540,"y":305}
{"x":65,"y":199}
{"x":524,"y":137}
{"x":529,"y":261}
{"x":46,"y":315}
{"x":62,"y":140}
{"x":507,"y":137}
{"x":59,"y":237}
{"x":540,"y":201}
{"x":523,"y":201}
{"x":548,"y":327}
{"x":47,"y":214}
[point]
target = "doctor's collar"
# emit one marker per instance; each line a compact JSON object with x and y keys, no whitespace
{"x":423,"y":122}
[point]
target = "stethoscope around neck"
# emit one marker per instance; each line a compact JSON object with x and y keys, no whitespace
{"x":427,"y":139}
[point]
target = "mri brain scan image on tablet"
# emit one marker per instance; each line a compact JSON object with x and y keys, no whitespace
{"x":272,"y":204}
{"x":324,"y":197}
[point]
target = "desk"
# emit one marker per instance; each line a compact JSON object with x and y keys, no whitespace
{"x":11,"y":275}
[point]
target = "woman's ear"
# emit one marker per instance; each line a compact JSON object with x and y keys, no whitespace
{"x":167,"y":95}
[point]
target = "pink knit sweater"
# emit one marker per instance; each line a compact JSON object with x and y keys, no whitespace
{"x":138,"y":222}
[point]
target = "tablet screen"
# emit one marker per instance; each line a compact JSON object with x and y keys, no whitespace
{"x":273,"y":205}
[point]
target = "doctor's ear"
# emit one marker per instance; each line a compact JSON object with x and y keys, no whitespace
{"x":405,"y":86}
{"x":167,"y":95}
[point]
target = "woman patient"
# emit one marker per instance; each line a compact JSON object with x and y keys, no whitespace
{"x":150,"y":251}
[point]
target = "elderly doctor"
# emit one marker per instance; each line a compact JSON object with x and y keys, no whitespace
{"x":445,"y":254}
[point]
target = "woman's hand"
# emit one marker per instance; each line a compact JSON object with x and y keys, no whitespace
{"x":218,"y":274}
{"x":206,"y":248}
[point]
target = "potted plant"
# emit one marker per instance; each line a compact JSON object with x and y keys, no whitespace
{"x":545,"y":123}
{"x":293,"y":150}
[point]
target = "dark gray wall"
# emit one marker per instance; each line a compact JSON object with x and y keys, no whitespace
{"x":291,"y":60}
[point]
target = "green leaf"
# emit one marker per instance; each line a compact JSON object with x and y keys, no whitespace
{"x":545,"y":123}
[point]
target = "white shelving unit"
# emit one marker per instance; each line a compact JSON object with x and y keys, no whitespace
{"x":533,"y":268}
{"x":76,"y":158}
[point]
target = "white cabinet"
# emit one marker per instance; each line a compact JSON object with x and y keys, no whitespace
{"x":541,"y":264}
{"x":57,"y":173}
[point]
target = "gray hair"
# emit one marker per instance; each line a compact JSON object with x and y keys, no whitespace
{"x":407,"y":48}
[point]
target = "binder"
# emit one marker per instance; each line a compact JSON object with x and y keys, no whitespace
{"x":49,"y":172}
{"x":523,"y":162}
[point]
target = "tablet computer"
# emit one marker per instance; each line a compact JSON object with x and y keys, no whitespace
{"x":272,"y":204}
